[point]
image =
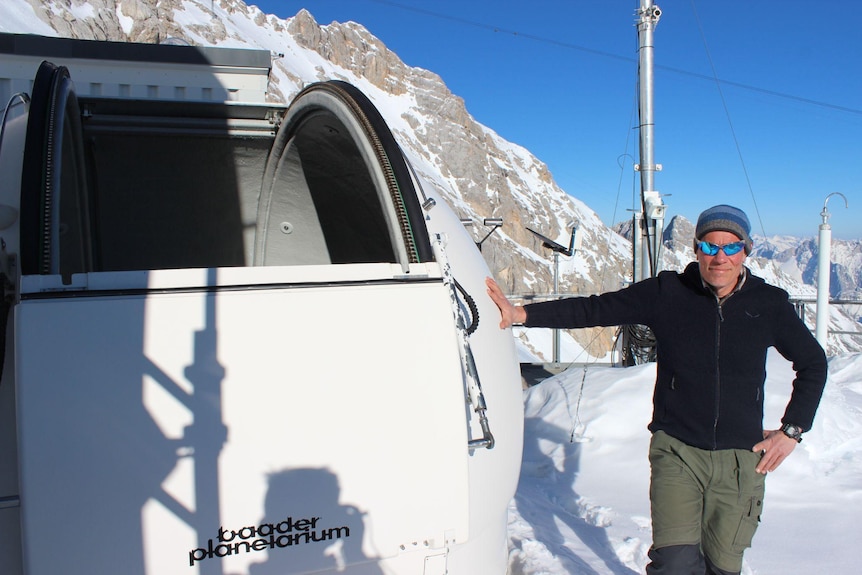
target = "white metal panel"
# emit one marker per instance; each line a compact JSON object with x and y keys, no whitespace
{"x":150,"y":424}
{"x":493,"y":473}
{"x":146,"y":80}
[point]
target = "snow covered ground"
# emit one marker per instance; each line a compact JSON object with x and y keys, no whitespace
{"x":582,"y":504}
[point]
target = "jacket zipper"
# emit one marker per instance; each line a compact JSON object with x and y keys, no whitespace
{"x":720,"y":320}
{"x":719,"y":308}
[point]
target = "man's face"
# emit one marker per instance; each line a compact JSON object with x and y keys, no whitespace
{"x":721,"y":271}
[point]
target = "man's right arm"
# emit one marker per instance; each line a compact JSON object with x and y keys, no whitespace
{"x":635,"y":304}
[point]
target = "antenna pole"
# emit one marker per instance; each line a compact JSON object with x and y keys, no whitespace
{"x":651,"y":203}
{"x":638,"y":342}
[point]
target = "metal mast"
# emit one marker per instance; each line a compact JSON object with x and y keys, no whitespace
{"x":652,"y":217}
{"x":638,"y":343}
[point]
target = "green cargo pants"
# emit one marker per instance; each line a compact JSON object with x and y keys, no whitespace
{"x":710,"y":498}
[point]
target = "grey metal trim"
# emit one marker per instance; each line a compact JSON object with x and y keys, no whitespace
{"x":47,"y":47}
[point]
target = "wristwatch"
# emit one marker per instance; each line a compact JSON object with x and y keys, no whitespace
{"x":792,"y":431}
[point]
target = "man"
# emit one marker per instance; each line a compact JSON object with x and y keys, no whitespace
{"x":709,"y":453}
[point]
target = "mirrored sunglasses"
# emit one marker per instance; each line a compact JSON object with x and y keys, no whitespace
{"x":728,"y":249}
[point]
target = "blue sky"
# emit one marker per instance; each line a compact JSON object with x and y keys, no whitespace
{"x":758,"y":103}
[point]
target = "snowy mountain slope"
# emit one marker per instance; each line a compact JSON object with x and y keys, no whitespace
{"x":474,"y":169}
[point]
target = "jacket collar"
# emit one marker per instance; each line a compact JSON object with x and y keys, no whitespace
{"x":692,"y":275}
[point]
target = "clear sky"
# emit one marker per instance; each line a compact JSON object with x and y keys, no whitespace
{"x":758,"y":103}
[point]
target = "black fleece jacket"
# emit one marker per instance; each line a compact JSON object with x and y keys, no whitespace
{"x":711,"y":355}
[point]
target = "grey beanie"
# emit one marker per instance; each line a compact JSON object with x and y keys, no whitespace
{"x":726,"y":219}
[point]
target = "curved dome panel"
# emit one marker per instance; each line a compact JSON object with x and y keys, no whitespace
{"x":337,"y":188}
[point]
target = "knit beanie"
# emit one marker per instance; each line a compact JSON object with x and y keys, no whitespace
{"x":726,"y":219}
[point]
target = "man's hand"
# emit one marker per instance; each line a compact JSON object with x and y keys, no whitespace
{"x":775,"y":447}
{"x":509,"y":313}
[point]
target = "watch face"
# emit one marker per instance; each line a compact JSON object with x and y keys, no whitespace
{"x":792,"y":431}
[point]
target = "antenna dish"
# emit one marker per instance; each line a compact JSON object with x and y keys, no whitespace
{"x":552,"y":245}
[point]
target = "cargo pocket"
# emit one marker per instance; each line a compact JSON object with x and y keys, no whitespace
{"x":751,"y":490}
{"x":748,"y":524}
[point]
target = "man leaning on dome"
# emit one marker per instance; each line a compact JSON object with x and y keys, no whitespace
{"x":709,"y":453}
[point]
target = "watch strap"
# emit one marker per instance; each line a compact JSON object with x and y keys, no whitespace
{"x":792,"y":431}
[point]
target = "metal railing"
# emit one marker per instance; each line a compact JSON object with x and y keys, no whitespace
{"x":800,"y":304}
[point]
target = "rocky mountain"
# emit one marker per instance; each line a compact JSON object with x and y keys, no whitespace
{"x":480,"y":174}
{"x":797,"y":257}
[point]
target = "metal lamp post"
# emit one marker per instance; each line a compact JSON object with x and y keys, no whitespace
{"x":824,"y":255}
